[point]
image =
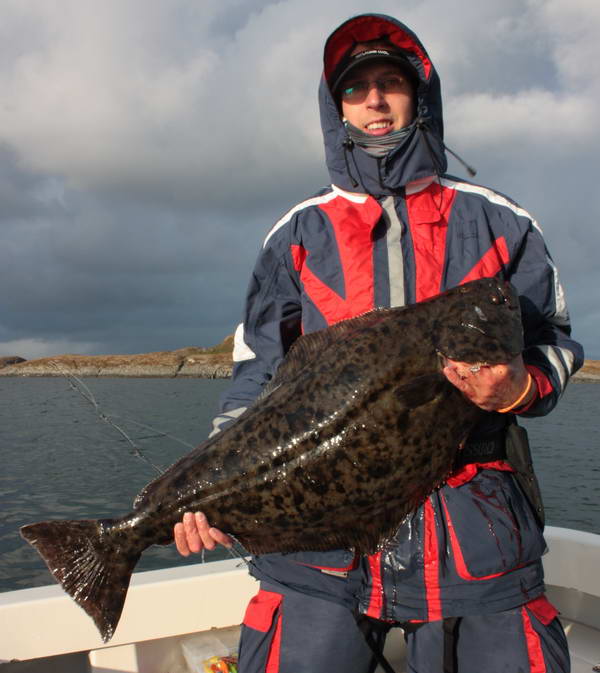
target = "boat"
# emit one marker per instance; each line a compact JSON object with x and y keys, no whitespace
{"x":172,"y":617}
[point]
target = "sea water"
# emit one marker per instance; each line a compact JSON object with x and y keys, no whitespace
{"x":71,"y":451}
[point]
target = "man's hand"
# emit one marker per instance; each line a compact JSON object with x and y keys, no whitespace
{"x":195,"y":534}
{"x":491,"y":387}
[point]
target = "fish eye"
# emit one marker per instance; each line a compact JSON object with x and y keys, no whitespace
{"x":497,"y":298}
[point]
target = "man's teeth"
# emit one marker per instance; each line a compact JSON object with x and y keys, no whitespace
{"x":378,"y":125}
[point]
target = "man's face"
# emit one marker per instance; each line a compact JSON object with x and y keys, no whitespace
{"x":377,"y":98}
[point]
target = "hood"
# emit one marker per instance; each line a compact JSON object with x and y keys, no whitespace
{"x":421,"y":153}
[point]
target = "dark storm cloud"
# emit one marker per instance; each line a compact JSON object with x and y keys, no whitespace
{"x":146,"y":149}
{"x":123,"y":275}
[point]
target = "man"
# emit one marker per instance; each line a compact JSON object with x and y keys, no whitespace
{"x":463,"y":575}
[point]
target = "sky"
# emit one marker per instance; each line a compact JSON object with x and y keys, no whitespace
{"x":146,"y":148}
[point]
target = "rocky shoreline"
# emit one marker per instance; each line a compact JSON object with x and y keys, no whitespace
{"x":191,"y":362}
{"x":589,"y":373}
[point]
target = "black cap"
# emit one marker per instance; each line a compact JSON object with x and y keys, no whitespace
{"x":348,"y":63}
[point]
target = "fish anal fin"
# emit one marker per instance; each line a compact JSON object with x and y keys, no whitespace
{"x":95,"y":574}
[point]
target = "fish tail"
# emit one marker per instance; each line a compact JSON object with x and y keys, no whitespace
{"x":91,"y":566}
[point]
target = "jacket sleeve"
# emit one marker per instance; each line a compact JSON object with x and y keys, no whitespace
{"x":550,"y":355}
{"x":272,"y":322}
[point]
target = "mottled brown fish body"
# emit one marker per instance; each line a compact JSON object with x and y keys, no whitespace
{"x":354,"y":431}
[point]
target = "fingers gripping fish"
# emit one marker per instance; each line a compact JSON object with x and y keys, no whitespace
{"x":355,"y":430}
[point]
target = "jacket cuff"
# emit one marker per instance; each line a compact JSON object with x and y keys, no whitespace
{"x":543,"y":388}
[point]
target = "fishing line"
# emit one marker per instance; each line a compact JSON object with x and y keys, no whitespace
{"x":79,"y":386}
{"x":234,"y":553}
{"x":159,"y":433}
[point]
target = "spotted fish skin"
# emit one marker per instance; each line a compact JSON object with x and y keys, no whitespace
{"x":356,"y":428}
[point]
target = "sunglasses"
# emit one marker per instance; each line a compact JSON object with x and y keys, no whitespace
{"x":357,"y":91}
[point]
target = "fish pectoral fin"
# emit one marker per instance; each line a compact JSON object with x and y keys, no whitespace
{"x":422,"y":390}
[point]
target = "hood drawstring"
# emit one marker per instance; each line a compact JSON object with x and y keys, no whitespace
{"x":425,"y":131}
{"x":348,"y":146}
{"x":470,"y":170}
{"x":379,"y":162}
{"x":424,"y":127}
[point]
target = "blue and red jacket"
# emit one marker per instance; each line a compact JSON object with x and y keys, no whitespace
{"x":387,"y":232}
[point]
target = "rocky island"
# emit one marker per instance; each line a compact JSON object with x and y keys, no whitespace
{"x":192,"y":361}
{"x":589,"y":373}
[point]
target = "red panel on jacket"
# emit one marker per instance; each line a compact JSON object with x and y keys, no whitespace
{"x":352,"y":226}
{"x":428,"y":214}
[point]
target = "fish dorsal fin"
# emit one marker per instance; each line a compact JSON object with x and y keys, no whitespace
{"x":308,"y":347}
